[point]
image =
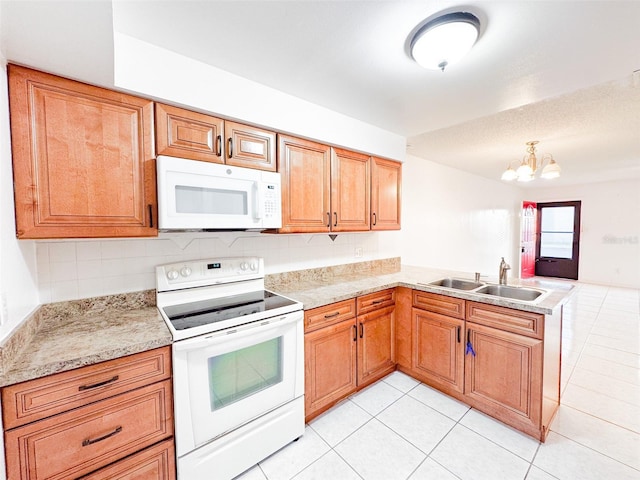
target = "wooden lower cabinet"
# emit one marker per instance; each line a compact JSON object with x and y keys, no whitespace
{"x":120,"y":413}
{"x":330,"y":365}
{"x":504,"y":377}
{"x":345,"y":354}
{"x":376,"y":345}
{"x":438,"y":350}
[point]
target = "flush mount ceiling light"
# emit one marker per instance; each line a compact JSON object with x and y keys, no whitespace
{"x":529,"y":166}
{"x":445,"y":40}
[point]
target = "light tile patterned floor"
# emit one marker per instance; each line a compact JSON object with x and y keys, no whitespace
{"x":399,"y":429}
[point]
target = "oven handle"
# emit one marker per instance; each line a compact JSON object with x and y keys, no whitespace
{"x":207,"y":339}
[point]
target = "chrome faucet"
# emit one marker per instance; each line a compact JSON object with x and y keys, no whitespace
{"x":504,"y":266}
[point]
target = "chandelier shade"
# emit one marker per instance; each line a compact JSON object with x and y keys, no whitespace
{"x":529,"y":166}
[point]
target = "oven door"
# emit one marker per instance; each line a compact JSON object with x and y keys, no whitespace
{"x":225,"y":379}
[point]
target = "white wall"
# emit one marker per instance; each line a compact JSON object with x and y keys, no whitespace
{"x":456,"y":220}
{"x":610,"y":229}
{"x":18,"y":291}
{"x":152,"y":71}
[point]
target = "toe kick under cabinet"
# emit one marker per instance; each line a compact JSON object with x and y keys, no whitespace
{"x":111,"y":420}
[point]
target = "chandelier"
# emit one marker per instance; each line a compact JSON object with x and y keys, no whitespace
{"x":529,"y":166}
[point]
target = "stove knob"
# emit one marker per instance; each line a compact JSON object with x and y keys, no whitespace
{"x":254,"y":266}
{"x":172,"y":274}
{"x":185,"y":271}
{"x":244,"y":266}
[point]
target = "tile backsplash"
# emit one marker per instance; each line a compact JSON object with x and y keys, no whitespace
{"x":68,"y":270}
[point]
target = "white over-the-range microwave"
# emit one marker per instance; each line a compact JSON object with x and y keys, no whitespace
{"x":196,"y":195}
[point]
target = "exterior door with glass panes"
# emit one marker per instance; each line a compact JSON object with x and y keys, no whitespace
{"x":558,"y":239}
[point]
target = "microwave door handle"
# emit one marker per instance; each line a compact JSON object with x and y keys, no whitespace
{"x":258,"y":206}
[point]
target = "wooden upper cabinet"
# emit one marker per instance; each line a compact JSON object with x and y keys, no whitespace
{"x":83,"y":159}
{"x":350,"y":190}
{"x":250,"y":147}
{"x":386,"y":189}
{"x":197,"y":136}
{"x":182,"y":133}
{"x":305,"y":168}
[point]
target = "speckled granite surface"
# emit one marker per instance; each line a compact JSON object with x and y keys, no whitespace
{"x":66,"y":335}
{"x":327,"y":287}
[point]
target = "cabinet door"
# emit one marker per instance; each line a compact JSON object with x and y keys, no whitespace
{"x":350,"y":187}
{"x":83,"y":159}
{"x":376,"y":344}
{"x":438,"y":353}
{"x":330,"y":365}
{"x":504,"y":378}
{"x":186,"y":134}
{"x":386,"y":186}
{"x":306,"y":181}
{"x":250,"y":147}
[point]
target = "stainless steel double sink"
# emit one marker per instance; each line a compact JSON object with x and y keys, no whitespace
{"x":523,"y":294}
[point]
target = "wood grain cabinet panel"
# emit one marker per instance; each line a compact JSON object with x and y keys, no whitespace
{"x":350,"y":191}
{"x":329,"y":314}
{"x":504,"y":377}
{"x":376,"y":300}
{"x":330,"y":365}
{"x":154,"y":463}
{"x":83,"y":159}
{"x":187,"y":134}
{"x":77,"y":442}
{"x":386,"y":194}
{"x":40,"y":398}
{"x":376,"y":345}
{"x":433,"y":302}
{"x":305,"y":168}
{"x":438,"y":350}
{"x":250,"y":147}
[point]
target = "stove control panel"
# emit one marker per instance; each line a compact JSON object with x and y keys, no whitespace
{"x":212,"y":271}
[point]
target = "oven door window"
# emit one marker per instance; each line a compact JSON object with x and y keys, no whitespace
{"x":229,"y":379}
{"x":236,"y":375}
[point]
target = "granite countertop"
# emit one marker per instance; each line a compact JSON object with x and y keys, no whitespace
{"x":67,"y":335}
{"x":322,"y":288}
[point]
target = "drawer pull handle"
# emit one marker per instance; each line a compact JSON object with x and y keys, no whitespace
{"x":90,"y":441}
{"x":361,"y":329}
{"x":375,"y":302}
{"x":99,"y":384}
{"x":332,"y":315}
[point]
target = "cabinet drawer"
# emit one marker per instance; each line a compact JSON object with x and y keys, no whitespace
{"x":36,"y":399}
{"x":452,"y":307}
{"x":154,"y":463}
{"x":80,"y":441}
{"x":506,"y":319}
{"x":329,"y":314}
{"x":373,"y":301}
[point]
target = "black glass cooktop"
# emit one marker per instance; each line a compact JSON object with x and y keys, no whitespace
{"x":204,"y":312}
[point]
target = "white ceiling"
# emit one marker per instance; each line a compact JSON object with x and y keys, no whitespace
{"x":557,"y":71}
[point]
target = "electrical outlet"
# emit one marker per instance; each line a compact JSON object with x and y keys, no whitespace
{"x":358,"y":252}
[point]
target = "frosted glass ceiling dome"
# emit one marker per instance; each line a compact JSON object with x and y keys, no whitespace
{"x":444,"y":40}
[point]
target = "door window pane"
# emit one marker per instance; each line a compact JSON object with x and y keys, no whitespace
{"x":241,"y":373}
{"x":556,"y":232}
